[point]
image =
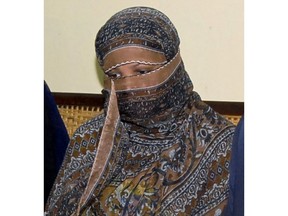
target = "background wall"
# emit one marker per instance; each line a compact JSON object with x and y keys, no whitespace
{"x":211,"y":34}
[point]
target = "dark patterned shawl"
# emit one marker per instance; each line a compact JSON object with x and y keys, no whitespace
{"x":156,"y":150}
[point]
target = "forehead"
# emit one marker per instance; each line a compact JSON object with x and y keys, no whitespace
{"x":132,"y":53}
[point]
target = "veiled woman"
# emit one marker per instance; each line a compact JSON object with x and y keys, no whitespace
{"x":157,"y":149}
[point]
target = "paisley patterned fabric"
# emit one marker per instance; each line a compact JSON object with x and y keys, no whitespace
{"x":139,"y":26}
{"x":169,"y":152}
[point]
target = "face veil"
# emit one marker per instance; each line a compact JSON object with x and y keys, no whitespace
{"x":149,"y":29}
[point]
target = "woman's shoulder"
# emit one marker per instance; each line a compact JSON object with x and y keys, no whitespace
{"x":85,"y":136}
{"x":91,"y":126}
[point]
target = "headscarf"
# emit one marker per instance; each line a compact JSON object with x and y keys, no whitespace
{"x":141,"y":26}
{"x":157,"y":149}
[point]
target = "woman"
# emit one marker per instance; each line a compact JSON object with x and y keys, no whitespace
{"x":157,"y":149}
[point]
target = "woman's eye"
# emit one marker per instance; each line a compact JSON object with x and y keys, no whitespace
{"x":114,"y":75}
{"x":143,"y":71}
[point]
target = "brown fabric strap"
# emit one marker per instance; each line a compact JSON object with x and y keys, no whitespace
{"x":104,"y":148}
{"x":139,"y":54}
{"x":151,"y":79}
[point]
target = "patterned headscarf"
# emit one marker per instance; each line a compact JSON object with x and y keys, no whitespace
{"x":158,"y":149}
{"x":140,"y":26}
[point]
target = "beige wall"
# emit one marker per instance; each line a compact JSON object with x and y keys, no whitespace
{"x":211,"y":34}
